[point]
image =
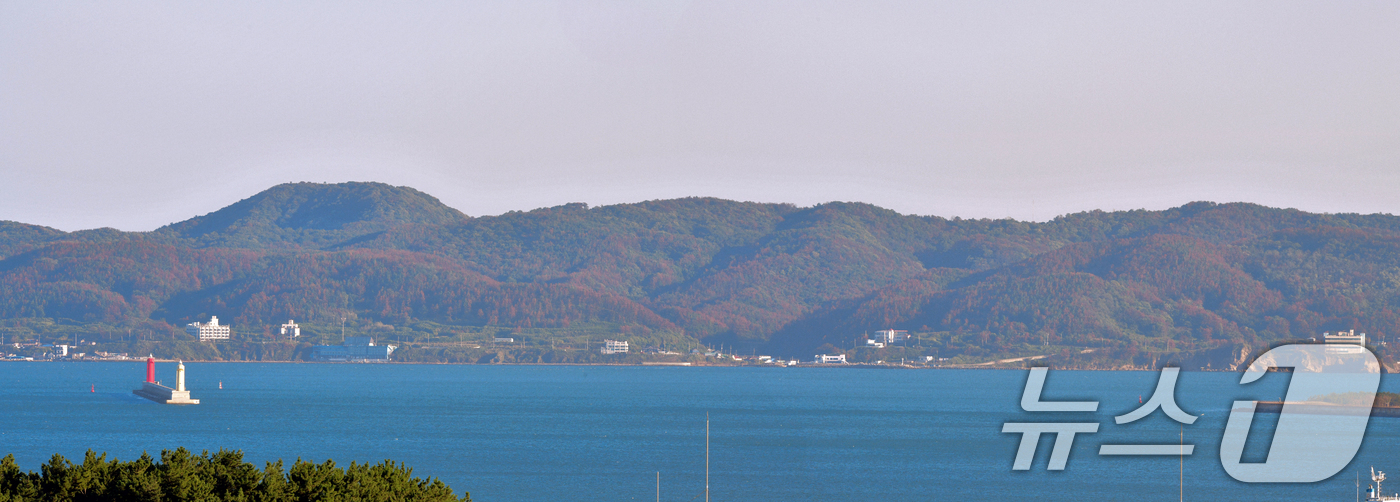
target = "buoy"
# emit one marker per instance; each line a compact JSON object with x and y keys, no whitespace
{"x":94,"y":387}
{"x":221,"y":384}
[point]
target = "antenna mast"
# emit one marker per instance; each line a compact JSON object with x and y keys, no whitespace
{"x":1377,"y":477}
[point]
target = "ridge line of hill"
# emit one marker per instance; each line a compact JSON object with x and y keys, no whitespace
{"x":1203,"y":282}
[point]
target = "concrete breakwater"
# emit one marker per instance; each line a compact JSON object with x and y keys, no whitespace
{"x":153,"y":390}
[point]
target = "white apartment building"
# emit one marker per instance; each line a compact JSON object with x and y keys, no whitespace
{"x":291,"y":330}
{"x":1345,"y":342}
{"x":209,"y":331}
{"x":890,"y":336}
{"x":614,"y":347}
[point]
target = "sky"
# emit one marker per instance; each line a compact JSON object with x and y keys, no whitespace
{"x":134,"y":115}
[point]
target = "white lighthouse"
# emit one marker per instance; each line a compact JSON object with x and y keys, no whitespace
{"x":180,"y":377}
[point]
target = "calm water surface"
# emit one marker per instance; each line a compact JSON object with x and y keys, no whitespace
{"x":545,"y":433}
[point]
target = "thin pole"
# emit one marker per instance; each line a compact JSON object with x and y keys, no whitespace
{"x":658,"y":486}
{"x":707,"y":457}
{"x":1181,"y":463}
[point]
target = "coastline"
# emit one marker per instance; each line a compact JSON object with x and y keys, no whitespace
{"x":850,"y":366}
{"x":1324,"y":408}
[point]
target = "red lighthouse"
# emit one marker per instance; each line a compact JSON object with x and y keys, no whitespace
{"x":151,"y":369}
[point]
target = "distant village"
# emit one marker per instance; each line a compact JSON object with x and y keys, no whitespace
{"x":365,"y":349}
{"x":352,"y":349}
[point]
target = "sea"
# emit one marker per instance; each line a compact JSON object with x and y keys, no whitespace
{"x":550,"y":433}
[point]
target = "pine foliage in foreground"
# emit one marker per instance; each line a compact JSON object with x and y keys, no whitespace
{"x":180,"y":475}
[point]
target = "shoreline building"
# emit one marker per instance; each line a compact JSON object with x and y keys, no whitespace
{"x":1345,"y":342}
{"x":614,"y":347}
{"x":153,"y":390}
{"x":891,"y":336}
{"x":291,"y":330}
{"x":355,"y":348}
{"x":211,"y":330}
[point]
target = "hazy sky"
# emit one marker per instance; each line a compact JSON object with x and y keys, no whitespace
{"x":138,"y":114}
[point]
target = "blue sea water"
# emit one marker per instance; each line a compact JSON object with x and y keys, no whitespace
{"x":546,"y":433}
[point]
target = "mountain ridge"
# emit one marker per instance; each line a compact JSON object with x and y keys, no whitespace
{"x":1130,"y":285}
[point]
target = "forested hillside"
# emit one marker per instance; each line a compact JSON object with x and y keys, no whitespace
{"x":1199,"y":281}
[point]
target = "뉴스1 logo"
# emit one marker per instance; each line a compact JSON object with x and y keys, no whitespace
{"x":1306,"y":447}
